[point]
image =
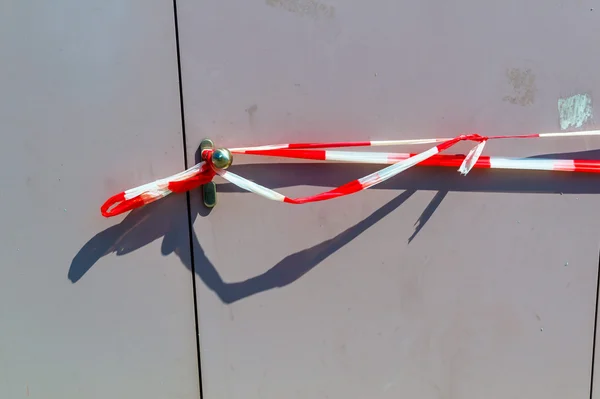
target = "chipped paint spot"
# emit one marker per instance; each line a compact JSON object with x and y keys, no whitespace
{"x":523,"y":83}
{"x":309,"y":8}
{"x":574,"y":111}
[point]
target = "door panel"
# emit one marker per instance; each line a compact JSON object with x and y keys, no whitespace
{"x":432,"y":285}
{"x":91,"y":307}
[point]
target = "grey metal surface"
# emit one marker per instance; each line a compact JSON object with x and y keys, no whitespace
{"x":88,"y":107}
{"x":434,"y":285}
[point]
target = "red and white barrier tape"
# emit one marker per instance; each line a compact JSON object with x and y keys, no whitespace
{"x":205,"y":171}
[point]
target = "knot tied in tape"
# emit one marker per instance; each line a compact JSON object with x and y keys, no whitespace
{"x":194,"y":177}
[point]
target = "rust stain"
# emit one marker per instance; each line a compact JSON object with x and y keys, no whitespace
{"x":309,"y":8}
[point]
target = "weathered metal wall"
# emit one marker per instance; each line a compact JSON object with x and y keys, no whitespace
{"x":432,"y":286}
{"x":435,"y":285}
{"x":89,"y":105}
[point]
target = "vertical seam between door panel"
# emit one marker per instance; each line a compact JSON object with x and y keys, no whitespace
{"x":188,"y":199}
{"x":595,"y":327}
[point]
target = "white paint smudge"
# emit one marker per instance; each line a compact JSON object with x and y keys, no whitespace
{"x":574,"y":111}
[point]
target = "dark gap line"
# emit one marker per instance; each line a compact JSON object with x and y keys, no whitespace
{"x":188,"y":197}
{"x":595,"y":327}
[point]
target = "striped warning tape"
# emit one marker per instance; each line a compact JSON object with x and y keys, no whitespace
{"x":205,"y":171}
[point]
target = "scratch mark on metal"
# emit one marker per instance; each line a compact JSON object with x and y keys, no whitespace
{"x":309,"y":8}
{"x":523,"y":83}
{"x":252,"y":109}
